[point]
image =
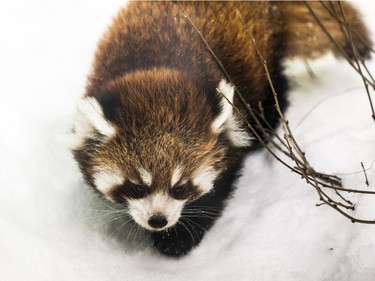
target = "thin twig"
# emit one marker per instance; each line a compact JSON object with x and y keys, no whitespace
{"x":309,"y":70}
{"x":338,"y":46}
{"x":356,"y":67}
{"x":333,"y":13}
{"x":356,"y":59}
{"x":364,"y":172}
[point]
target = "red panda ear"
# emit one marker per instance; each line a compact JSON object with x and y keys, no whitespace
{"x":227,"y":121}
{"x":225,"y":91}
{"x":90,"y":118}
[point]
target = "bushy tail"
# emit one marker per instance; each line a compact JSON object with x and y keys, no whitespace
{"x":305,"y":37}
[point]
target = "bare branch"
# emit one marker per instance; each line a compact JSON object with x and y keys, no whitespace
{"x":356,"y":65}
{"x":364,"y":172}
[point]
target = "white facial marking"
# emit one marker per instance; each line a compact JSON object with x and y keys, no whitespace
{"x":89,"y":116}
{"x":204,"y":178}
{"x":106,"y":179}
{"x":176,"y":175}
{"x":159,"y":203}
{"x":146,"y":176}
{"x":227,"y":90}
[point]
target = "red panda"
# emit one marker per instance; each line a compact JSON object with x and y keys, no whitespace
{"x":156,"y":130}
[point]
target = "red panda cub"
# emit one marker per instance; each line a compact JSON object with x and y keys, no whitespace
{"x":156,"y":130}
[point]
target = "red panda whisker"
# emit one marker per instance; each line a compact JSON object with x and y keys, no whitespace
{"x":193,"y":222}
{"x":175,"y":231}
{"x":106,"y":216}
{"x":105,"y":203}
{"x":130,"y":231}
{"x":198,"y":216}
{"x":200,"y":211}
{"x":194,"y":228}
{"x":108,"y":211}
{"x":187,"y":229}
{"x":120,"y":227}
{"x":137,"y":231}
{"x":202,"y":207}
{"x":105,"y":222}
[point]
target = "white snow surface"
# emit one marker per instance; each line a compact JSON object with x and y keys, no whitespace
{"x":271,"y":229}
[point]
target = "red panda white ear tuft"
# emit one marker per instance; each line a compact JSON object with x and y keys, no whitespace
{"x":90,"y":118}
{"x":226,"y":92}
{"x":227,"y":121}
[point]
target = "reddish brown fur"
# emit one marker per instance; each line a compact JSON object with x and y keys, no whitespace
{"x":306,"y":39}
{"x":159,"y":129}
{"x":178,"y":46}
{"x":157,"y":82}
{"x":279,"y":28}
{"x":157,"y":86}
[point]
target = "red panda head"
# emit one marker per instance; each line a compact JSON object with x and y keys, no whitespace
{"x":153,"y":141}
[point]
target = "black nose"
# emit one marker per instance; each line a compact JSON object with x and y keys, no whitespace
{"x":157,"y":221}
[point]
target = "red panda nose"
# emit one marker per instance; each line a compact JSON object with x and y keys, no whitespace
{"x":157,"y":221}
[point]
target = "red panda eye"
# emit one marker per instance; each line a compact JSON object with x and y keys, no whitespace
{"x":178,"y":191}
{"x":139,"y":190}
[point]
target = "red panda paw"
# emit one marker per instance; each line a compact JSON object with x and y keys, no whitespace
{"x":177,"y":241}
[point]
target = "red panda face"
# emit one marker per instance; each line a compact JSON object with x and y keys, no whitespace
{"x":153,"y":142}
{"x":155,"y":185}
{"x":156,"y":194}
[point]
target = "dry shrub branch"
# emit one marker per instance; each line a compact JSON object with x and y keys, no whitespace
{"x":285,"y":148}
{"x":337,"y":12}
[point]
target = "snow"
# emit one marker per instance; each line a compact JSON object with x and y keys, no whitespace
{"x":52,"y":227}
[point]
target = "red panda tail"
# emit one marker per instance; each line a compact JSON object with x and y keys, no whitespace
{"x":306,"y":38}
